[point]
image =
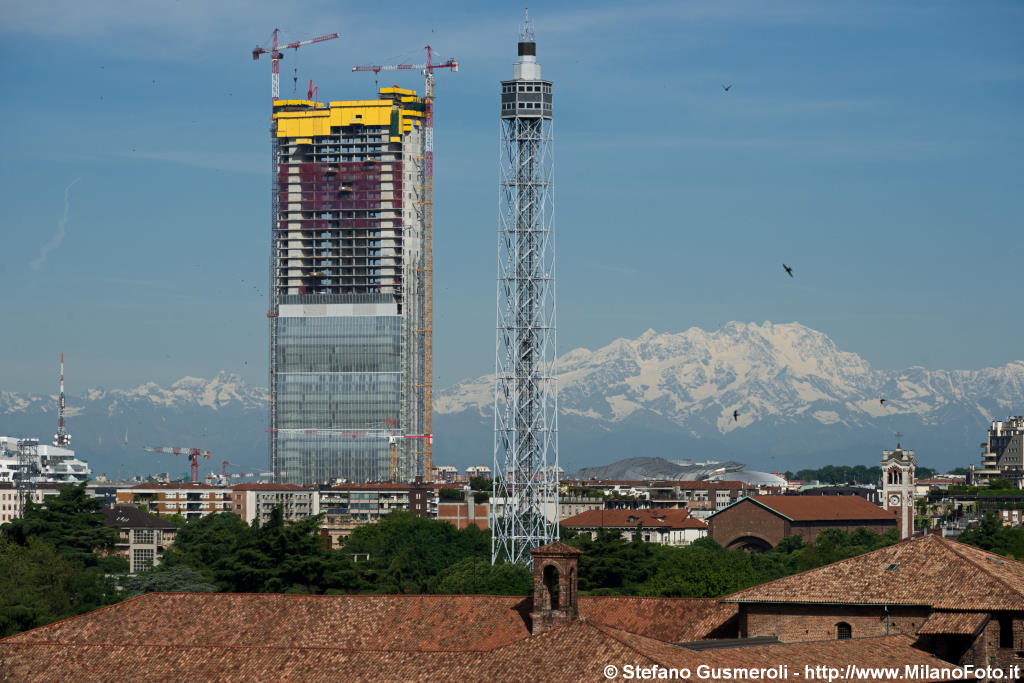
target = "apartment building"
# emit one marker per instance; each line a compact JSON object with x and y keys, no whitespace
{"x":258,"y":501}
{"x":191,"y":501}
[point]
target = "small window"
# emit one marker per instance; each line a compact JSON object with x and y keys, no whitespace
{"x":1005,"y":632}
{"x":843,"y":631}
{"x":892,"y":567}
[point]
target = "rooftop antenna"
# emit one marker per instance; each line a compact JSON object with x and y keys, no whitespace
{"x":61,"y":438}
{"x":526,"y":30}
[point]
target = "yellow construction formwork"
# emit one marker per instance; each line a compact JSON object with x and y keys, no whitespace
{"x":318,"y":120}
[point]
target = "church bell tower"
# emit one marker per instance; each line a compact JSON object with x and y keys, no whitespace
{"x":898,"y":487}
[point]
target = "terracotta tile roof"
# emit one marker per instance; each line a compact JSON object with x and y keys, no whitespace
{"x":131,"y":517}
{"x":576,"y":652}
{"x":364,"y":622}
{"x":883,"y":651}
{"x":926,"y":571}
{"x":675,"y":620}
{"x":556,"y":548}
{"x":954,"y":623}
{"x":823,"y":508}
{"x":651,"y":519}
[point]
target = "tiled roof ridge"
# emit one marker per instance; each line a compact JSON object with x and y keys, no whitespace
{"x":613,"y":633}
{"x":951,"y":546}
{"x":725,"y":598}
{"x":61,"y":621}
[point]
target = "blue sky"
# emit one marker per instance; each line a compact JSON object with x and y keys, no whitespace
{"x":874,"y":146}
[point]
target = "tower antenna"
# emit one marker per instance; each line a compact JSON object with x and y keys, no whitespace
{"x":61,"y":438}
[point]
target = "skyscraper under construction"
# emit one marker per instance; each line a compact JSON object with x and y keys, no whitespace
{"x":349,"y":300}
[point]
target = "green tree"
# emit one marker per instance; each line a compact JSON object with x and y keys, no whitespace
{"x":72,"y":523}
{"x":480,"y":483}
{"x":276,"y":557}
{"x":166,"y":580}
{"x":477,"y":575}
{"x":39,"y":585}
{"x":406,"y":551}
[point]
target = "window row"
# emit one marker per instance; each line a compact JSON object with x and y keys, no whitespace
{"x":526,"y":88}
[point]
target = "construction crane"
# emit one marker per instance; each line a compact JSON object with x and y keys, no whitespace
{"x":192,"y":453}
{"x":427,"y":271}
{"x":274,"y":50}
{"x":223,"y":477}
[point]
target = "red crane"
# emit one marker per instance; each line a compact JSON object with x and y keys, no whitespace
{"x":428,"y":245}
{"x":274,"y":50}
{"x":192,"y":453}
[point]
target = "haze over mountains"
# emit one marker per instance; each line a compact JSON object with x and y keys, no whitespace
{"x":801,"y":401}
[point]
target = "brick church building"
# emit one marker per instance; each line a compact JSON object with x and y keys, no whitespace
{"x":956,"y":601}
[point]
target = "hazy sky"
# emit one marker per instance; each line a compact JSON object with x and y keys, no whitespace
{"x":875,"y":147}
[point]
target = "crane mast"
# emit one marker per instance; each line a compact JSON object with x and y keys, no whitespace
{"x":426,"y":271}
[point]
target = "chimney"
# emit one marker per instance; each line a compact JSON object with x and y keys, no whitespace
{"x":555,"y":582}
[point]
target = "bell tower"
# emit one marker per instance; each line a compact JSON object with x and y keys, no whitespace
{"x":898,"y":487}
{"x":555,"y":581}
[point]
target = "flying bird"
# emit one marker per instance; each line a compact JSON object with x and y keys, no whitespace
{"x":735,"y":416}
{"x":726,"y":87}
{"x":789,"y":271}
{"x":881,"y":401}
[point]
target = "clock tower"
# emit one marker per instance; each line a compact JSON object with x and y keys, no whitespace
{"x":898,"y":487}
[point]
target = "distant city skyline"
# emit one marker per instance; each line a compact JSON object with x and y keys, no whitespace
{"x":874,"y":148}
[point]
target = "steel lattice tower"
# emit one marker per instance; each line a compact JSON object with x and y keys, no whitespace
{"x":524,"y":508}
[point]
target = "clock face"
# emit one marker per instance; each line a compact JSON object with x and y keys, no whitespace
{"x":894,"y":499}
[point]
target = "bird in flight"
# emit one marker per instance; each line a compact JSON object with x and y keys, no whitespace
{"x":881,"y":401}
{"x":735,"y":416}
{"x":789,"y":271}
{"x":726,"y":87}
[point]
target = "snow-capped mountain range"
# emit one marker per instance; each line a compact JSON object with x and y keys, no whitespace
{"x":801,"y":402}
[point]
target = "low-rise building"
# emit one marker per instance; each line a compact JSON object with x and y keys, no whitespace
{"x":258,"y":501}
{"x":143,"y":537}
{"x":464,"y":510}
{"x":666,"y":527}
{"x":760,"y":522}
{"x":479,"y":471}
{"x":574,"y":505}
{"x":446,"y":474}
{"x":191,"y":501}
{"x":347,"y":506}
{"x":701,"y":498}
{"x":12,"y":504}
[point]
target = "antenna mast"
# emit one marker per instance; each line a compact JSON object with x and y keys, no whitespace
{"x":61,"y":438}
